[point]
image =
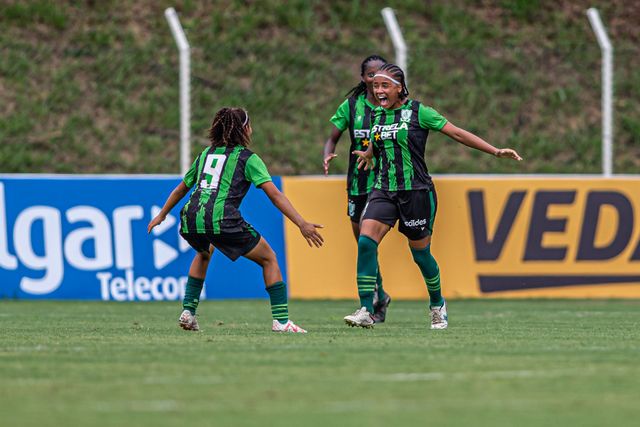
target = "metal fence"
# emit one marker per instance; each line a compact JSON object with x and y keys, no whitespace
{"x":104,"y":101}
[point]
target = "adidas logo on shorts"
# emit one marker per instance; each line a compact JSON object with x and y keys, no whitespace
{"x":415,"y":222}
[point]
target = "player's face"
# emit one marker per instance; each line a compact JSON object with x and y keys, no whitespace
{"x":370,"y":69}
{"x":387,"y":93}
{"x":248,"y":129}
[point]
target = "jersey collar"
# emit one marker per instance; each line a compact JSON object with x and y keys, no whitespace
{"x":407,"y":104}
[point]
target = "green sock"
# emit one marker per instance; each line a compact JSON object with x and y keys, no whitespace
{"x":279,"y":305}
{"x":381,"y":292}
{"x":192,"y":294}
{"x":367,"y":271}
{"x":430,"y":273}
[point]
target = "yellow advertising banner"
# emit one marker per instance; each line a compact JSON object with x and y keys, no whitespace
{"x":576,"y":237}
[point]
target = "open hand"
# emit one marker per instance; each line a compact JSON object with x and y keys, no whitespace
{"x":326,"y":162}
{"x":310,"y":233}
{"x":508,"y":153}
{"x":155,"y":221}
{"x":365,"y":158}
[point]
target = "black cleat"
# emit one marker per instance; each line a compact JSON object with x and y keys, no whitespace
{"x":380,"y":309}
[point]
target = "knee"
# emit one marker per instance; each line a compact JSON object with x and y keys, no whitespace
{"x":269,"y":258}
{"x":270,"y":263}
{"x":204,"y":256}
{"x":421,"y":254}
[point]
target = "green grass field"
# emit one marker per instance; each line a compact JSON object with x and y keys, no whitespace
{"x":508,"y":363}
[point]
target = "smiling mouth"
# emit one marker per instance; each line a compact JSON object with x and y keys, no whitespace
{"x":382,"y":99}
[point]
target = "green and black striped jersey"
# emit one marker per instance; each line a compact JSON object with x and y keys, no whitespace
{"x":222,"y":176}
{"x":355,"y":114}
{"x":399,"y":140}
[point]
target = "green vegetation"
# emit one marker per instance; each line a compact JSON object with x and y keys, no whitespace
{"x":91,"y":87}
{"x":501,"y":363}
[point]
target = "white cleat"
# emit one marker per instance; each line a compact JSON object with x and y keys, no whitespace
{"x":439,"y":318}
{"x":188,"y":321}
{"x":287,"y":327}
{"x":361,"y":317}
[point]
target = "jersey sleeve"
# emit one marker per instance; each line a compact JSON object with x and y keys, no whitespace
{"x":256,"y":171}
{"x":190,"y":177}
{"x":341,"y":118}
{"x":430,"y":118}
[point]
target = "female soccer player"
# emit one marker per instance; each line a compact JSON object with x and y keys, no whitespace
{"x":403,"y":189}
{"x":355,"y":114}
{"x":222,"y":175}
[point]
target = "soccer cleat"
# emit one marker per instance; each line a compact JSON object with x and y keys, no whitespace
{"x":375,"y":297}
{"x":287,"y":327}
{"x":439,"y":319}
{"x":361,"y":317}
{"x":188,"y":321}
{"x":380,"y":309}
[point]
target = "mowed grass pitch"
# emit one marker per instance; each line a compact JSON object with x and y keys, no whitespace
{"x":507,"y":363}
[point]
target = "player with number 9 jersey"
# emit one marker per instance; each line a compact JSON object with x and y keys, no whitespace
{"x":221,"y":176}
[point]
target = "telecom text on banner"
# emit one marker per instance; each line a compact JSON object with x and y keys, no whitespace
{"x":85,"y":237}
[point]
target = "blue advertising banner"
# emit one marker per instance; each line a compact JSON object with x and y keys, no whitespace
{"x":85,"y":237}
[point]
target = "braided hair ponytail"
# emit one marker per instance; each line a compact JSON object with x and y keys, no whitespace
{"x":229,"y":128}
{"x":362,"y":87}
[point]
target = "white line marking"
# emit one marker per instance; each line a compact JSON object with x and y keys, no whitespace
{"x":138,"y":406}
{"x":441,"y":376}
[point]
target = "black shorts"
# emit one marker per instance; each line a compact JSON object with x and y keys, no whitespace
{"x":355,"y":206}
{"x":233,"y":245}
{"x":416,"y":210}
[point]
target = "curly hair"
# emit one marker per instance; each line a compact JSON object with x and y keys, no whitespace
{"x":229,"y":128}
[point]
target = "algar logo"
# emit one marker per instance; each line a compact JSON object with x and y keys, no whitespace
{"x":536,"y":252}
{"x":47,"y":240}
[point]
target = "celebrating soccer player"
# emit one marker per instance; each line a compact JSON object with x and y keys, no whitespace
{"x":403,"y":189}
{"x":355,"y":114}
{"x":222,"y":174}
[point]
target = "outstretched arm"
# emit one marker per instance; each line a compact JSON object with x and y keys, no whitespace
{"x":176,"y":195}
{"x":474,"y":141}
{"x":330,"y":148}
{"x":280,"y":201}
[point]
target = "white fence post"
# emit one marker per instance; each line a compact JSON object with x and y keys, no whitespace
{"x":185,"y":88}
{"x":607,"y":90}
{"x":397,"y":39}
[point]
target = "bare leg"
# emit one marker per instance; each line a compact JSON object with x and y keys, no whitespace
{"x":193,"y":289}
{"x":355,"y":227}
{"x":265,"y":257}
{"x":373,"y":229}
{"x":200,"y":264}
{"x":420,"y":244}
